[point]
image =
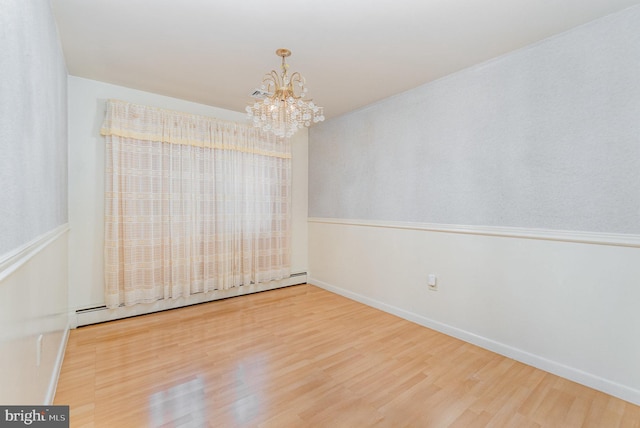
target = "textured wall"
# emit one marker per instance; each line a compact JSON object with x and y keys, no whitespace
{"x":33,"y":122}
{"x":33,"y":202}
{"x":546,"y":137}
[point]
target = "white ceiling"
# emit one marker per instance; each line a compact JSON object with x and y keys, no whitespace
{"x":352,"y":52}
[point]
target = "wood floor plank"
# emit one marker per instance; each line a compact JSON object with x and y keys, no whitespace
{"x":301,"y":356}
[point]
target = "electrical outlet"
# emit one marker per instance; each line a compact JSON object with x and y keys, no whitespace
{"x":432,"y":282}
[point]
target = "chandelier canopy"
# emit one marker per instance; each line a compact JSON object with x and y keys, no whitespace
{"x":280,"y":106}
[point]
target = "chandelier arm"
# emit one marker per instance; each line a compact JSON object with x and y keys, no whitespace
{"x":296,"y":78}
{"x":271,"y":79}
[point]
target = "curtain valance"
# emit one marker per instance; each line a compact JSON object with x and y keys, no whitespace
{"x":146,"y":123}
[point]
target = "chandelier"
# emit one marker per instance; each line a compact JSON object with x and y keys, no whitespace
{"x":280,"y":106}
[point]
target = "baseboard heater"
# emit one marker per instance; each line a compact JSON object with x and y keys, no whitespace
{"x":297,"y":274}
{"x":98,"y":314}
{"x":95,"y":308}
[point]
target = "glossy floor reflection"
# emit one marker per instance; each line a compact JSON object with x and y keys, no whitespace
{"x":181,"y":405}
{"x":301,"y":356}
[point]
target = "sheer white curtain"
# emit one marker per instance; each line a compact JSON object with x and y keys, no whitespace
{"x":192,"y":204}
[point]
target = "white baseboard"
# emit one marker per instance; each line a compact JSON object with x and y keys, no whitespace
{"x":55,"y":375}
{"x":612,"y":388}
{"x":82,"y":318}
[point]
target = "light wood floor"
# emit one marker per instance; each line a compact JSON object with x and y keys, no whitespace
{"x":302,"y":356}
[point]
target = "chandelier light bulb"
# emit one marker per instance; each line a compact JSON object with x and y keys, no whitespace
{"x":284,"y":110}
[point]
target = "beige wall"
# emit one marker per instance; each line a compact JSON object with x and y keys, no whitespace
{"x":516,"y":182}
{"x":33,"y":203}
{"x":570,"y":308}
{"x":33,"y":319}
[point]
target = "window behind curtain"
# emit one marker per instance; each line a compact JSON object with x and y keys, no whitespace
{"x":192,"y":205}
